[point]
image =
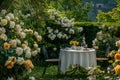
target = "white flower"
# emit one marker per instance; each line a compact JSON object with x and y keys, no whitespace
{"x":2,"y":30}
{"x":22,"y":35}
{"x":39,"y":38}
{"x":21,"y":23}
{"x":20,"y":60}
{"x":48,"y":28}
{"x":56,"y":31}
{"x":18,"y":41}
{"x":19,"y":51}
{"x":3,"y":37}
{"x":32,"y":78}
{"x":59,"y":35}
{"x":36,"y":33}
{"x":7,"y":17}
{"x":13,"y":43}
{"x":71,"y":31}
{"x":11,"y":16}
{"x":30,"y":31}
{"x":80,"y":29}
{"x":99,"y":33}
{"x":35,"y":45}
{"x":38,"y":49}
{"x":28,"y":54}
{"x":27,"y":49}
{"x":64,"y":35}
{"x":34,"y":53}
{"x":12,"y":24}
{"x":18,"y":28}
{"x":52,"y":36}
{"x":26,"y":42}
{"x":4,"y":22}
{"x":3,"y":11}
{"x":54,"y":48}
{"x":10,"y":78}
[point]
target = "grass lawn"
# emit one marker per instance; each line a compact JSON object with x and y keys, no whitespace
{"x":51,"y":74}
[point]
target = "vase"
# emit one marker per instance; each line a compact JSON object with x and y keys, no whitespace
{"x":73,"y":47}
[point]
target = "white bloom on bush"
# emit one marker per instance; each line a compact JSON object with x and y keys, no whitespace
{"x":4,"y":22}
{"x":34,"y":53}
{"x":22,"y":35}
{"x":32,"y":78}
{"x":80,"y":29}
{"x":11,"y":16}
{"x":26,"y":42}
{"x":30,"y":31}
{"x":50,"y":30}
{"x":3,"y":37}
{"x":64,"y":35}
{"x":59,"y":35}
{"x":36,"y":33}
{"x":52,"y":17}
{"x":13,"y":43}
{"x":54,"y":48}
{"x":19,"y":51}
{"x":18,"y":41}
{"x":10,"y":78}
{"x":35,"y":46}
{"x":99,"y":33}
{"x":52,"y":36}
{"x":16,"y":18}
{"x":38,"y":50}
{"x":2,"y":30}
{"x":56,"y":31}
{"x":71,"y":31}
{"x":27,"y":49}
{"x":7,"y":17}
{"x":22,"y":23}
{"x":39,"y":38}
{"x":18,"y":28}
{"x":66,"y":29}
{"x":3,"y":11}
{"x":12,"y":24}
{"x":28,"y":54}
{"x":20,"y":60}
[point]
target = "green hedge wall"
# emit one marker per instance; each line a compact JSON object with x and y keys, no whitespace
{"x":89,"y":30}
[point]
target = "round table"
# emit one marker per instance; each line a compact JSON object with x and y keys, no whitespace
{"x":84,"y":58}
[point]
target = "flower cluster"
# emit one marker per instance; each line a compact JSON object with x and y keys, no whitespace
{"x":74,"y":42}
{"x":18,"y":45}
{"x":62,"y":28}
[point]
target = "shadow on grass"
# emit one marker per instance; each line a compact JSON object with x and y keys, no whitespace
{"x":52,"y":74}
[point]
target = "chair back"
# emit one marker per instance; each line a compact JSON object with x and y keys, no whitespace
{"x":44,"y":52}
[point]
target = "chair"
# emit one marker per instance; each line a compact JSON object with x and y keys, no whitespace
{"x":48,"y":61}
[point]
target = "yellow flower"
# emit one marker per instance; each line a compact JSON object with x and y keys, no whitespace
{"x":23,"y":46}
{"x":117,"y":56}
{"x":118,"y":43}
{"x":74,"y":43}
{"x":4,"y":22}
{"x":9,"y":64}
{"x":28,"y":64}
{"x":6,"y":45}
{"x":117,"y":70}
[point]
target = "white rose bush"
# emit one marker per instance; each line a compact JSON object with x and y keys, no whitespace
{"x":17,"y":46}
{"x":59,"y":30}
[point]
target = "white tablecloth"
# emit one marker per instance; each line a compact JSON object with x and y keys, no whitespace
{"x":83,"y":58}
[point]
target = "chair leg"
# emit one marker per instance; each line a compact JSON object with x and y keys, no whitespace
{"x":44,"y":71}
